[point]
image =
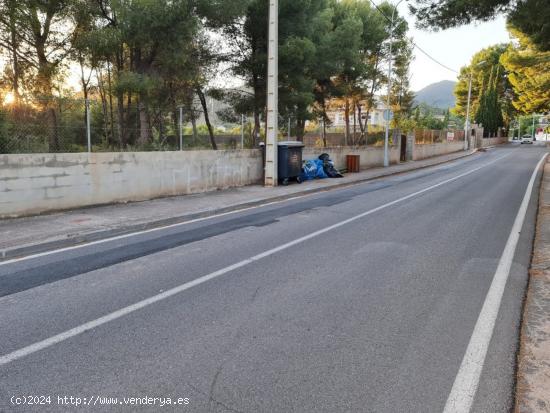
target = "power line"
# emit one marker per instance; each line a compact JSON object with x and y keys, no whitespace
{"x":433,"y":59}
{"x":414,"y":44}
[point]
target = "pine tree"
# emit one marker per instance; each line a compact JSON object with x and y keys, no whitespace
{"x":529,"y":74}
{"x":530,"y":16}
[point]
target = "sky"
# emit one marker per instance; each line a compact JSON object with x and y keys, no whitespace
{"x":452,"y":47}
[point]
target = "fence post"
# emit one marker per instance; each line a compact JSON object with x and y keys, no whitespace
{"x":242,"y":131}
{"x":88,"y":132}
{"x":180,"y":125}
{"x":288,"y":134}
{"x":323,"y":131}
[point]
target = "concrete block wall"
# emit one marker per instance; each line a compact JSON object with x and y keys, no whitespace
{"x":371,"y":157}
{"x":34,"y":183}
{"x":486,"y":142}
{"x":436,"y":149}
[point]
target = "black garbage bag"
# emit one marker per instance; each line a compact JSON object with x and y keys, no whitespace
{"x":331,"y":171}
{"x":328,"y":166}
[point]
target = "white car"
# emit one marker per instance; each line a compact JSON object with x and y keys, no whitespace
{"x":526,"y":139}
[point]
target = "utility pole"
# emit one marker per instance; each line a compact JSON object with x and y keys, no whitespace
{"x":467,"y":124}
{"x":388,"y":104}
{"x":533,"y":130}
{"x":388,"y":101}
{"x":88,"y":131}
{"x":272,"y":95}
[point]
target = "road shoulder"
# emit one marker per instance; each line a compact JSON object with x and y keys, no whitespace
{"x":532,"y":393}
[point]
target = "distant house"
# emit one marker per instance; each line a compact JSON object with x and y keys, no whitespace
{"x":542,"y":129}
{"x":336,"y":114}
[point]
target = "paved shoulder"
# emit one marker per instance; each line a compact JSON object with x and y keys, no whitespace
{"x":533,"y":393}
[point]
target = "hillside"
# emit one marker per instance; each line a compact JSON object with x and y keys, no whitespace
{"x":439,"y":95}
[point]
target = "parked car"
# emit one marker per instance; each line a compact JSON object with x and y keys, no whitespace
{"x":526,"y":139}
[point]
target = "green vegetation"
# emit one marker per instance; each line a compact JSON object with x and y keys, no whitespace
{"x":507,"y":79}
{"x":330,"y":51}
{"x":428,"y":117}
{"x":529,"y":74}
{"x":485,"y":65}
{"x":529,"y":16}
{"x":141,"y":60}
{"x":3,"y":131}
{"x":489,"y":111}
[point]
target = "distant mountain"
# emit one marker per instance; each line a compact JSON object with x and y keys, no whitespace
{"x":439,"y":95}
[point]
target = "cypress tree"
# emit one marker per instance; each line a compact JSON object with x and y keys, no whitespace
{"x":489,"y":113}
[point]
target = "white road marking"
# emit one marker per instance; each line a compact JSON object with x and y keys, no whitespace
{"x":465,"y":386}
{"x":58,"y":338}
{"x":146,"y":231}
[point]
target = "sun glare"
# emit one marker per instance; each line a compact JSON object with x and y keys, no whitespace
{"x":9,"y":98}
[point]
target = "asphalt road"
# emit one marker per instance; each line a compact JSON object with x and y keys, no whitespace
{"x":372,"y":315}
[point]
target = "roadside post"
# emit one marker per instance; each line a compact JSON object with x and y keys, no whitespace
{"x":88,"y":132}
{"x":272,"y":95}
{"x":467,"y":124}
{"x":180,"y":125}
{"x":288,"y":130}
{"x":388,"y":120}
{"x":242,"y":131}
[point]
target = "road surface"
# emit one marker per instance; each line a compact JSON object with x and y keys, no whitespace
{"x":362,"y":299}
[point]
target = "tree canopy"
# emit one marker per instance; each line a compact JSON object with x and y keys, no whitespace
{"x":329,"y":51}
{"x":529,"y":74}
{"x":529,"y":16}
{"x":485,"y":69}
{"x":144,"y":59}
{"x":489,"y":110}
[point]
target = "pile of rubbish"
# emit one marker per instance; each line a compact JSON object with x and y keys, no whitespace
{"x":320,"y":168}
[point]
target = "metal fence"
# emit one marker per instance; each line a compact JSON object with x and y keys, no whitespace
{"x":319,"y":139}
{"x":78,"y":125}
{"x":430,"y":136}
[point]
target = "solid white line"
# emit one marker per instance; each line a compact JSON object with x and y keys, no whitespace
{"x":40,"y":345}
{"x":467,"y":380}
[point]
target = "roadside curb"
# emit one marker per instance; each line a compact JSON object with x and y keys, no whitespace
{"x":21,"y":251}
{"x":533,"y":375}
